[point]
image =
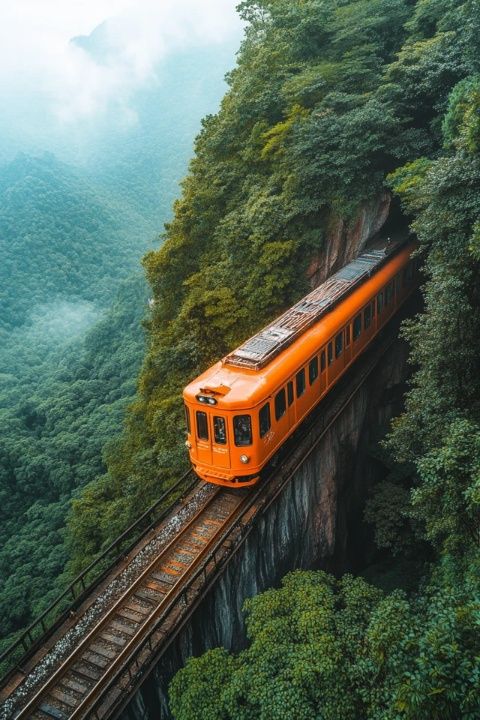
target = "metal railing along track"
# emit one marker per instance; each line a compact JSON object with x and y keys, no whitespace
{"x":80,"y":588}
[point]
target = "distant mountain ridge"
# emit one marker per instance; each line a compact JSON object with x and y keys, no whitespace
{"x":57,"y":238}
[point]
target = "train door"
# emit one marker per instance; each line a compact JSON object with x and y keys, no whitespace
{"x":389,"y":296}
{"x":290,"y":404}
{"x":357,"y":335}
{"x":323,"y":371}
{"x":369,"y":324}
{"x":203,"y":435}
{"x":280,"y":407}
{"x":335,"y":356}
{"x":379,"y":303}
{"x":348,"y":344}
{"x":220,"y":442}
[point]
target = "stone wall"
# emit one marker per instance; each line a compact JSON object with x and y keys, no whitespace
{"x":345,"y":240}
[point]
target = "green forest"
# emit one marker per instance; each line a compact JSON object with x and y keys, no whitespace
{"x":329,"y":103}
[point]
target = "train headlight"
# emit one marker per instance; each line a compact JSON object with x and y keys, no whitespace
{"x":244,"y":459}
{"x":188,"y":445}
{"x":206,"y":399}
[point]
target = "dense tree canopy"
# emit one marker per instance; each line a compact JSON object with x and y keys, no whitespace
{"x":340,"y":650}
{"x":56,"y":415}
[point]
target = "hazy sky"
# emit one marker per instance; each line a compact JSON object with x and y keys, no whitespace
{"x":37,"y":58}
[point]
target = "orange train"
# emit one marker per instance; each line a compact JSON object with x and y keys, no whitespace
{"x":240,"y":411}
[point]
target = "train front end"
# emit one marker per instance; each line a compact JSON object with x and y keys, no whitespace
{"x":220,"y":433}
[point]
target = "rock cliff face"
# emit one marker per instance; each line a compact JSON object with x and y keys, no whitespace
{"x":314,"y":523}
{"x":344,"y":241}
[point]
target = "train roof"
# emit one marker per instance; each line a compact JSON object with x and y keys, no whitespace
{"x":256,"y":352}
{"x":240,"y":381}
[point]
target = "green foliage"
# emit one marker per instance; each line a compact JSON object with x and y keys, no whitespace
{"x":461,"y":126}
{"x":439,"y":430}
{"x":340,"y":650}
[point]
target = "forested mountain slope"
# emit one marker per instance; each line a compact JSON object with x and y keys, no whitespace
{"x":325,"y":101}
{"x":344,"y":649}
{"x":57,"y":413}
{"x":59,"y":238}
{"x":73,"y":227}
{"x":329,"y":102}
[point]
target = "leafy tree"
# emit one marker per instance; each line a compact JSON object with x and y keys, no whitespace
{"x":340,"y":649}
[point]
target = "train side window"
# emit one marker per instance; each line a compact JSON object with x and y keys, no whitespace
{"x":373,"y":308}
{"x":323,"y":361}
{"x":330,"y":353}
{"x":379,"y":302}
{"x":347,"y":336}
{"x":367,"y":317}
{"x":264,"y":419}
{"x":313,"y":370}
{"x":290,"y":393}
{"x":187,"y":419}
{"x":219,"y":430}
{"x":338,"y":345}
{"x":280,"y":404}
{"x":300,"y":381}
{"x":242,"y":430}
{"x":202,"y":425}
{"x":357,"y":327}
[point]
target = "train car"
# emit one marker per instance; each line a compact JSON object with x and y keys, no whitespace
{"x":240,"y":411}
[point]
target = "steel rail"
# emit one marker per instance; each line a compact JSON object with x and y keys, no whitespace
{"x":97,"y":689}
{"x":27,"y":639}
{"x":169,"y":601}
{"x":97,"y":628}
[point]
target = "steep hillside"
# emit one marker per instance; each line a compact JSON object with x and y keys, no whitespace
{"x":345,"y":649}
{"x":325,"y":101}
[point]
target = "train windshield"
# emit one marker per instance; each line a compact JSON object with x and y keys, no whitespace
{"x":219,"y":431}
{"x":202,"y":426}
{"x":242,"y":427}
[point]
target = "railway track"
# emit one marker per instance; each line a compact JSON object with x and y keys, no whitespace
{"x":81,"y":677}
{"x":95,"y":679}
